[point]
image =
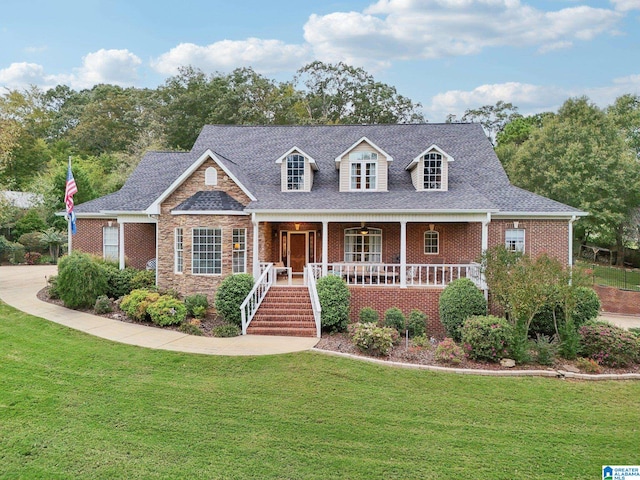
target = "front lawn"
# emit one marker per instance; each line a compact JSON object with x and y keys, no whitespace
{"x":74,"y":406}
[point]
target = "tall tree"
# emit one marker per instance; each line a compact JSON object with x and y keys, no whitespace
{"x":493,"y":118}
{"x":625,"y":113}
{"x":579,"y":158}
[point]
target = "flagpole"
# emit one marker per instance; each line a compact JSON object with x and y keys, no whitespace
{"x":69,"y":232}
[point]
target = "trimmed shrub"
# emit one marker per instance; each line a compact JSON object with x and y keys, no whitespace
{"x":54,"y":294}
{"x":460,"y":300}
{"x":545,"y":349}
{"x":167,"y":310}
{"x":32,"y":241}
{"x":368,"y":315}
{"x":196,"y":305}
{"x":225,"y":331}
{"x":421,"y":341}
{"x":118,"y":281}
{"x":417,"y":323}
{"x":608,"y":345}
{"x":230,"y":295}
{"x":135,"y":304}
{"x":487,"y":338}
{"x":29,"y":222}
{"x":374,"y":340}
{"x":449,"y":352}
{"x":334,"y":298}
{"x":80,"y":281}
{"x":587,"y":306}
{"x":394,"y":318}
{"x":103,"y":305}
{"x":143,"y":279}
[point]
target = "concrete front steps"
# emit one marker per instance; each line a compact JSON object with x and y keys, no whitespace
{"x":284,"y":311}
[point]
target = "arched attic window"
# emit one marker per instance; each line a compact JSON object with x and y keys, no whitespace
{"x":211,"y":176}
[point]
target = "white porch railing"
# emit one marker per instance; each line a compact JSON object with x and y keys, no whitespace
{"x":310,"y":280}
{"x":250,"y":305}
{"x":417,"y":275}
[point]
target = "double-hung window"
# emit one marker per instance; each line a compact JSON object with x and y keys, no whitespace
{"x":110,"y":243}
{"x":364,"y":170}
{"x":514,"y":240}
{"x":431,"y":240}
{"x":432,"y":171}
{"x":295,"y":172}
{"x":178,"y":250}
{"x":239,"y":256}
{"x":207,"y":251}
{"x":359,"y":247}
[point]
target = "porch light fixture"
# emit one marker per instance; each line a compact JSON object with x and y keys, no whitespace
{"x":236,"y":246}
{"x":364,"y":230}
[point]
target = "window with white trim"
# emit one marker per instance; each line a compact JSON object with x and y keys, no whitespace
{"x":178,"y":246}
{"x":295,"y":172}
{"x":110,"y":250}
{"x":210,"y":176}
{"x":239,"y":256}
{"x":364,"y":170}
{"x":432,"y":171}
{"x":206,"y":256}
{"x":431,"y":242}
{"x":359,"y":247}
{"x":514,"y":240}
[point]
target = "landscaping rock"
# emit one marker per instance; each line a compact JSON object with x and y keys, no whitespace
{"x":570,"y":368}
{"x":508,"y":363}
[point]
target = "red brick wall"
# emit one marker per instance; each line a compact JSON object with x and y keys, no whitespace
{"x":88,"y":237}
{"x":541,"y":236}
{"x":406,"y":299}
{"x":614,"y":300}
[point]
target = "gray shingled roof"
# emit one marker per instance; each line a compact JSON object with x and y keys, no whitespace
{"x":477,"y":180}
{"x":216,"y":201}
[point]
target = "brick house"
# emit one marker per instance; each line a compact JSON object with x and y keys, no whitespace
{"x":398,"y":211}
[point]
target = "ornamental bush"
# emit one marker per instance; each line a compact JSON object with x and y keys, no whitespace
{"x":374,"y":340}
{"x":167,"y":310}
{"x":118,"y":281}
{"x":196,"y":305}
{"x":587,"y":307}
{"x":487,"y":338}
{"x":143,"y":279}
{"x":102,"y":305}
{"x":230,"y":295}
{"x":80,"y":281}
{"x":449,"y":352}
{"x":417,"y":323}
{"x":136,"y":303}
{"x":368,"y":315}
{"x":334,"y":298}
{"x":394,"y":318}
{"x":609,"y":345}
{"x":460,"y":300}
{"x":225,"y":331}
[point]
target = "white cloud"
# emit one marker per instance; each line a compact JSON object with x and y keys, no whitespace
{"x":23,"y":74}
{"x":263,"y":55}
{"x":550,"y":47}
{"x":425,"y":29}
{"x":118,"y":67}
{"x":626,"y":5}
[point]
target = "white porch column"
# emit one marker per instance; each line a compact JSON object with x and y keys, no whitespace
{"x":573,"y":219}
{"x":121,"y":244}
{"x":403,"y":254}
{"x":256,"y":247}
{"x":325,"y":248}
{"x":485,"y":233}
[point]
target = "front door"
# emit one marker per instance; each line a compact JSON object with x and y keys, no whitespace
{"x":297,"y":251}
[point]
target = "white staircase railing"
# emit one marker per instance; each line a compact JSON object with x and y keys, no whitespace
{"x":315,"y":300}
{"x":250,"y":305}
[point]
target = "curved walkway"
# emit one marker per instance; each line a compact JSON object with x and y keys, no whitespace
{"x":20,"y":284}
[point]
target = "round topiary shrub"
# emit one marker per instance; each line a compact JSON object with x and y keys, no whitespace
{"x":334,"y":298}
{"x":394,"y":318}
{"x":487,"y":338}
{"x":80,"y":281}
{"x":587,"y":305}
{"x":460,"y":300}
{"x":374,"y":340}
{"x":230,"y":295}
{"x":417,"y":323}
{"x":608,"y":344}
{"x":136,"y":303}
{"x":368,"y":315}
{"x":167,"y":310}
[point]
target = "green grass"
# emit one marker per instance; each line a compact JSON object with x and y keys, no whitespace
{"x":612,"y":276}
{"x":74,"y":406}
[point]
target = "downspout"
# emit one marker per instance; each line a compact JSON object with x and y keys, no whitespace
{"x":485,"y":247}
{"x":573,"y":219}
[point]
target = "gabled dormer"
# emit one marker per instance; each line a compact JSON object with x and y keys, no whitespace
{"x":296,"y":171}
{"x":363,"y":167}
{"x":430,"y":170}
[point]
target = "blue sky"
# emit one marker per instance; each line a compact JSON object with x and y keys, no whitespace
{"x":449,"y":55}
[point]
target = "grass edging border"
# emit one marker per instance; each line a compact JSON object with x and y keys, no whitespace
{"x":560,"y":374}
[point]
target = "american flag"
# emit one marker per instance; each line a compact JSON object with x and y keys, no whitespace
{"x":69,"y":191}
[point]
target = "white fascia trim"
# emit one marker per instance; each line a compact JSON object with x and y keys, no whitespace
{"x":207,"y":212}
{"x":364,"y":139}
{"x":433,"y":147}
{"x":154,"y":208}
{"x":541,"y":215}
{"x":312,"y":162}
{"x":329,"y":213}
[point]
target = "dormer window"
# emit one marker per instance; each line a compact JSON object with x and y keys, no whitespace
{"x":364,"y":167}
{"x":432,"y":179}
{"x":295,"y":172}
